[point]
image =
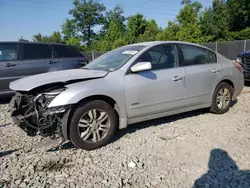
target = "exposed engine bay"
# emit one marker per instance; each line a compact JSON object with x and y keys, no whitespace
{"x":29,"y":110}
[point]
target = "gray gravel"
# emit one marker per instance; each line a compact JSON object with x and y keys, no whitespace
{"x":193,"y":149}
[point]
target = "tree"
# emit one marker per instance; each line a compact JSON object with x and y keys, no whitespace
{"x":115,"y":15}
{"x":169,"y":33}
{"x":37,"y":37}
{"x":240,"y":35}
{"x":151,"y":31}
{"x":239,"y":11}
{"x":68,"y":29}
{"x":189,"y":13}
{"x":136,"y":26}
{"x":87,"y":15}
{"x":214,"y":21}
{"x":74,"y":41}
{"x":54,"y":38}
{"x":187,"y":28}
{"x":224,"y":20}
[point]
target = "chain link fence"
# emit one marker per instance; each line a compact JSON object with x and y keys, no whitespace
{"x":228,"y":49}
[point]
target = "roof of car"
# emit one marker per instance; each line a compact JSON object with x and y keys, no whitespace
{"x":24,"y":42}
{"x":152,"y":43}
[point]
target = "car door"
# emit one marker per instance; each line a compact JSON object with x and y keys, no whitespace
{"x":158,"y":90}
{"x":36,"y":59}
{"x":202,"y":73}
{"x":8,"y":65}
{"x":70,"y":58}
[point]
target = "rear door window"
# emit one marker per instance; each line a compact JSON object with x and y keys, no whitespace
{"x":8,"y":52}
{"x":63,"y":51}
{"x":193,"y":55}
{"x":212,"y":57}
{"x":37,"y":51}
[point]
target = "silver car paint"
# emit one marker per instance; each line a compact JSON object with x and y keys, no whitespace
{"x":148,"y":95}
{"x":25,"y":84}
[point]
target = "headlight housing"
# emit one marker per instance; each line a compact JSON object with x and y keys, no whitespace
{"x":49,"y":96}
{"x":239,"y":59}
{"x":44,"y":99}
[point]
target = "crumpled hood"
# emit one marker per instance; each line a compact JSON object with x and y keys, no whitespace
{"x":31,"y":82}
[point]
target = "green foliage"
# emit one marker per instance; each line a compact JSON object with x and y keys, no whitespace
{"x":115,"y":15}
{"x":69,"y":29}
{"x":151,"y":32}
{"x":239,"y":11}
{"x":214,"y":22}
{"x":92,"y":28}
{"x":87,"y":15}
{"x":240,"y":35}
{"x":54,"y":38}
{"x":74,"y":41}
{"x":137,"y":25}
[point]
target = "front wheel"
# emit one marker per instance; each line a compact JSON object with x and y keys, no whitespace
{"x":222,"y":98}
{"x":93,"y":125}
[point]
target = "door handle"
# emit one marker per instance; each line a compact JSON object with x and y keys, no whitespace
{"x":51,"y":62}
{"x":10,"y":65}
{"x":215,"y":70}
{"x":177,"y":78}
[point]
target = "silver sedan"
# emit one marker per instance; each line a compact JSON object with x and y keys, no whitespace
{"x":131,"y":84}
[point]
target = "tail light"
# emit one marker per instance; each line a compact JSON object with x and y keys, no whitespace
{"x":238,"y":66}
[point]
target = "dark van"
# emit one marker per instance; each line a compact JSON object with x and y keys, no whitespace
{"x":244,"y":59}
{"x":20,"y":59}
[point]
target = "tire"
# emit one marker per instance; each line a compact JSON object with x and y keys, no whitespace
{"x":216,"y":105}
{"x":87,"y":125}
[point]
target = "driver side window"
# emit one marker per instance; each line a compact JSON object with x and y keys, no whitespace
{"x":161,"y":57}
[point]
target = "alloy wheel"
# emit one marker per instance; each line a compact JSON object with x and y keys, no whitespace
{"x":94,"y":125}
{"x":223,"y":98}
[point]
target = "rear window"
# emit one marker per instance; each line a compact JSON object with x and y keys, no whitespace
{"x":75,"y":52}
{"x":66,"y":51}
{"x":37,"y":51}
{"x":8,"y":52}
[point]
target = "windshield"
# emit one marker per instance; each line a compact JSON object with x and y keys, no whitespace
{"x":115,"y":59}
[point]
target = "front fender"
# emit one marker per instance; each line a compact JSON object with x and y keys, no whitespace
{"x":79,"y":91}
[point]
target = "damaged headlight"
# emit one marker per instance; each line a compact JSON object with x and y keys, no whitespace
{"x":49,"y":96}
{"x":44,"y":99}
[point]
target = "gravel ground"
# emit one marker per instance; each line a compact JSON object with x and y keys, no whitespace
{"x":195,"y":149}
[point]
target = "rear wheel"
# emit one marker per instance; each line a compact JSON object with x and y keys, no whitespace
{"x":93,"y":125}
{"x":222,"y":98}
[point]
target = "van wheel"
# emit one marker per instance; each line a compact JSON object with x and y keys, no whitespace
{"x":93,"y":125}
{"x":222,"y":98}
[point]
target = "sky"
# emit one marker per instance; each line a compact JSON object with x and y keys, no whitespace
{"x":28,"y":17}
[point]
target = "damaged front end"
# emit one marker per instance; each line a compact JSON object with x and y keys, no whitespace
{"x":29,"y":110}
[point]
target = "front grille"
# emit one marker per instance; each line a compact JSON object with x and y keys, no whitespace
{"x":246,"y":63}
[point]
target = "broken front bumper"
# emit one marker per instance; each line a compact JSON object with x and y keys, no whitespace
{"x":46,"y":122}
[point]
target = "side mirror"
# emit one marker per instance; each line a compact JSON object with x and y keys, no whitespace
{"x":141,"y":66}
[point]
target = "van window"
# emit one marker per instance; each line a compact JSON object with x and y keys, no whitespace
{"x":37,"y":51}
{"x":8,"y":52}
{"x":75,"y":52}
{"x":63,"y":51}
